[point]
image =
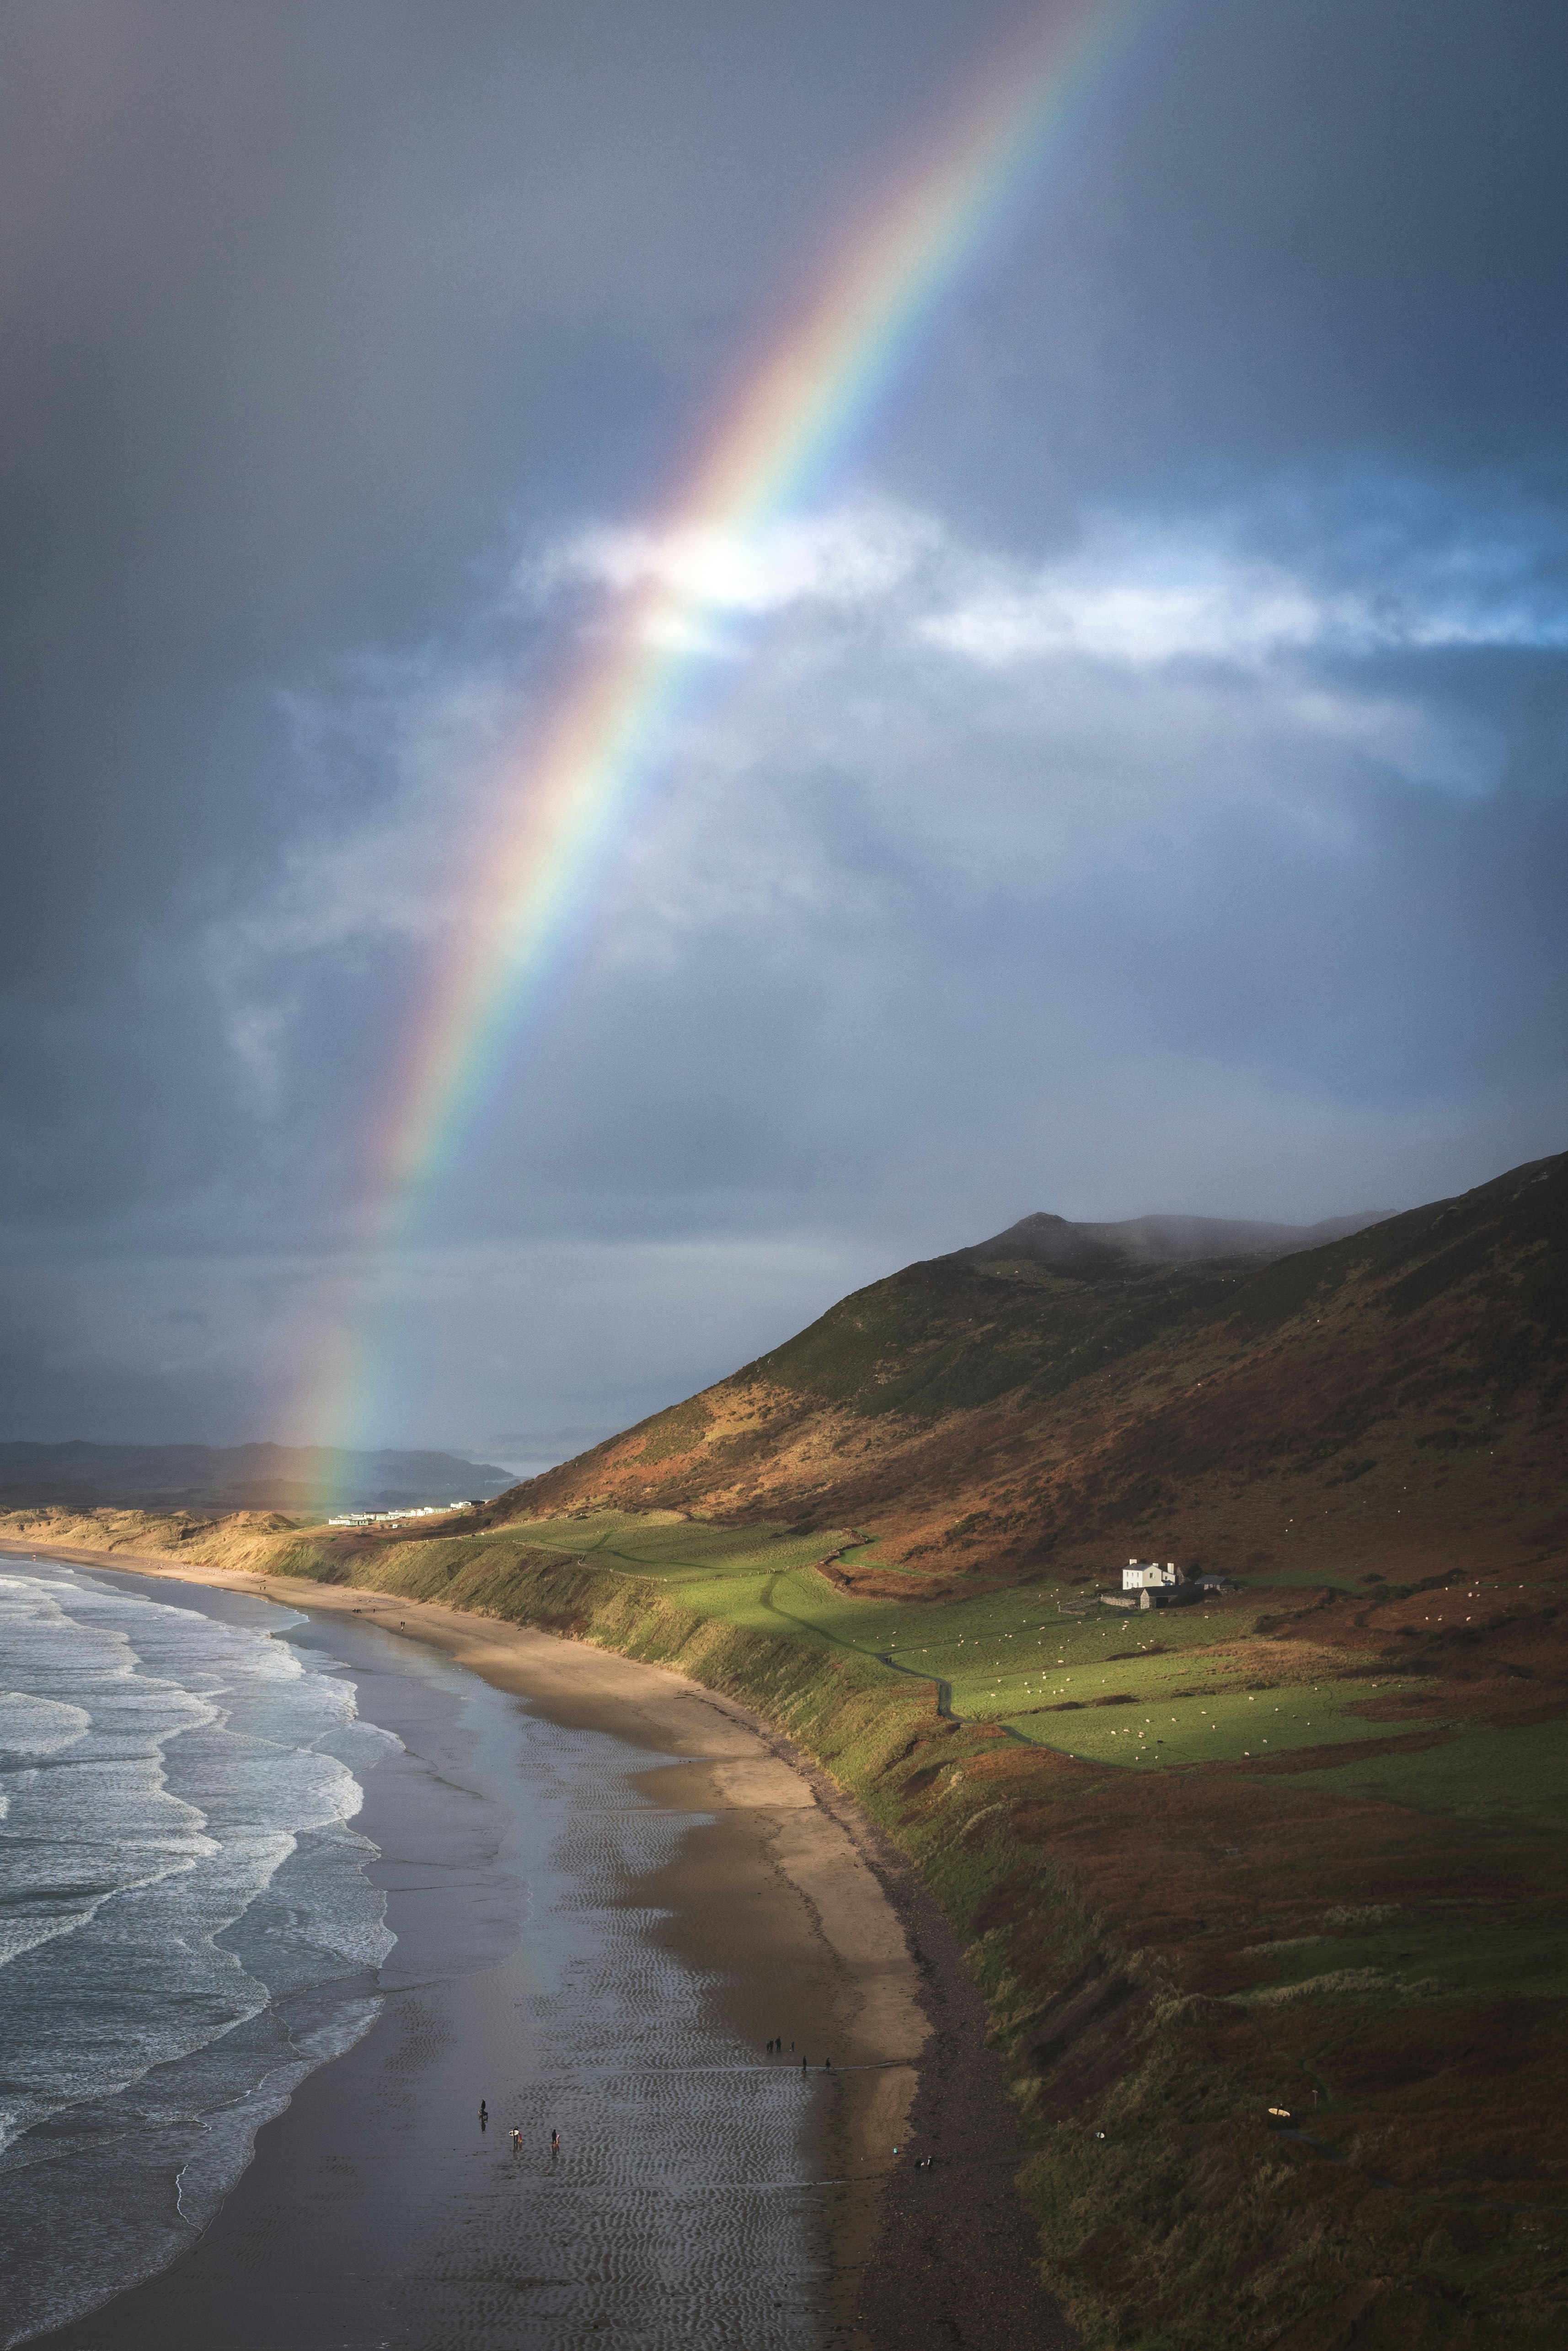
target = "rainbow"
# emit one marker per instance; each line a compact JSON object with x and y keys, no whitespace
{"x":566,"y":791}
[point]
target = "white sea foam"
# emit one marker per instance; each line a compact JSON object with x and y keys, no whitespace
{"x":30,"y":1725}
{"x":186,"y":1928}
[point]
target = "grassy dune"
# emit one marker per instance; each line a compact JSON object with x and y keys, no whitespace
{"x":1303,"y":1849}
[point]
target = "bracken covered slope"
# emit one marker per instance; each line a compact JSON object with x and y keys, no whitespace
{"x":1064,"y":1395}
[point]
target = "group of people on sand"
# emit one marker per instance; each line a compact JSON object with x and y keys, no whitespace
{"x":518,"y":2136}
{"x":775,"y":2049}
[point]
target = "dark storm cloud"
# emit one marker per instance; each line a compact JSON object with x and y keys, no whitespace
{"x":300,"y":308}
{"x":1146,"y":789}
{"x":1300,"y":231}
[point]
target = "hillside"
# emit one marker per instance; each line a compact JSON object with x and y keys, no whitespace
{"x":301,"y":1479}
{"x":1062,"y":1395}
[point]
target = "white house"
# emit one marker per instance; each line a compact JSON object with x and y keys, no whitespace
{"x":1147,"y":1575}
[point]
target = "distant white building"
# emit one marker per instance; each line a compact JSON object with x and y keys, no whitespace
{"x":1147,"y":1575}
{"x":396,"y":1518}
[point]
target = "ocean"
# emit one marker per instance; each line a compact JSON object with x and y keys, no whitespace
{"x":186,"y":1925}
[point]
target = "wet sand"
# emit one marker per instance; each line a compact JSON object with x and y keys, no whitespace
{"x":800,"y":1923}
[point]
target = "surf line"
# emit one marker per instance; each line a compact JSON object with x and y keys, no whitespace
{"x":562,"y":797}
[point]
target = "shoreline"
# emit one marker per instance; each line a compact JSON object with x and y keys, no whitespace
{"x":724,"y":1760}
{"x":786,"y":1891}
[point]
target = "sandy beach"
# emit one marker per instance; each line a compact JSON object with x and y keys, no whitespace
{"x":803,"y":1925}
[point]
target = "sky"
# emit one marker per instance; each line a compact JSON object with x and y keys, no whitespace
{"x":1132,"y":778}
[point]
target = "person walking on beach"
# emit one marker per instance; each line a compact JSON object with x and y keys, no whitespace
{"x":484,"y":2114}
{"x":555,"y":2145}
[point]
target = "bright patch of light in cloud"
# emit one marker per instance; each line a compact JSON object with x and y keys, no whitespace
{"x":860,"y":555}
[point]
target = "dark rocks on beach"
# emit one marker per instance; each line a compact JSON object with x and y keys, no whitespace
{"x":956,"y":2261}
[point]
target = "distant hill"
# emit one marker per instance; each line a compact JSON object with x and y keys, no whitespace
{"x":300,"y":1480}
{"x":1246,"y":1395}
{"x":1153,"y":1240}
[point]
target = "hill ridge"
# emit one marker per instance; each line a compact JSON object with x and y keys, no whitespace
{"x":1159,"y":1239}
{"x":981,"y":1414}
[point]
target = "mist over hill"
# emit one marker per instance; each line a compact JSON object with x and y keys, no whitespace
{"x":1368,"y":1391}
{"x":300,"y":1480}
{"x":1154,"y":1241}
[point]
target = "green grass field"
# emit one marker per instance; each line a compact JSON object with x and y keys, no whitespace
{"x":1412,"y":1954}
{"x":1136,"y":1690}
{"x":1517,"y":1776}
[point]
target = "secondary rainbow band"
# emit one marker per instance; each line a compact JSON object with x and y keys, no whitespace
{"x":565,"y":796}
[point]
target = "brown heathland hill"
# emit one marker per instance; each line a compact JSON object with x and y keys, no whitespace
{"x":1393,"y":1401}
